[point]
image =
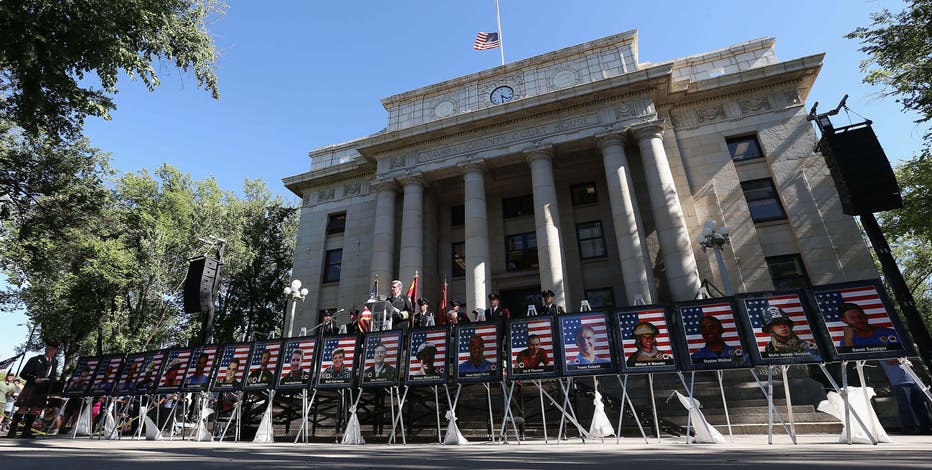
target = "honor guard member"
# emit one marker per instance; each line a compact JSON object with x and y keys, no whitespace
{"x":39,"y":373}
{"x":329,"y":327}
{"x":548,"y":307}
{"x":496,"y":311}
{"x":424,"y":317}
{"x":458,"y":312}
{"x":403,"y":308}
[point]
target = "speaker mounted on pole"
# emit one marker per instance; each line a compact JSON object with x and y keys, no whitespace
{"x":863,"y":176}
{"x":199,"y":284}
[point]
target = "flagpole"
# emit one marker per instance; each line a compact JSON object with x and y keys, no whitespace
{"x":501,"y":41}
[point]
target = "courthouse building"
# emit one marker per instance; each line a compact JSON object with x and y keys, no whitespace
{"x":584,"y":171}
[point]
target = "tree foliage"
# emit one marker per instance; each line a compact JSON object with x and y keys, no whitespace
{"x":899,"y":50}
{"x":50,"y":52}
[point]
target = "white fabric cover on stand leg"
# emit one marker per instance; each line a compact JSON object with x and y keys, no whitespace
{"x":601,"y":426}
{"x":110,"y":428}
{"x":203,"y":435}
{"x":454,"y":437}
{"x":705,"y":432}
{"x":264,"y":434}
{"x":152,"y":431}
{"x":835,"y":406}
{"x":85,"y":422}
{"x":353,"y":433}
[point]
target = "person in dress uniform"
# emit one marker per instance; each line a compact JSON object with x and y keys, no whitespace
{"x":39,"y":373}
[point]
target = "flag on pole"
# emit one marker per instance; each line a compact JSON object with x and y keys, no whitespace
{"x":365,"y":320}
{"x":442,"y":314}
{"x":486,"y":41}
{"x":9,"y":361}
{"x":412,"y":289}
{"x":375,"y":290}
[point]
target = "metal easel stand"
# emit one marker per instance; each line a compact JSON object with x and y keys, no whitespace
{"x":266,"y":434}
{"x":398,"y":419}
{"x":437,"y":408}
{"x":692,"y":406}
{"x":306,"y":410}
{"x":84,"y":422}
{"x":123,"y":418}
{"x":237,"y":415}
{"x":721,"y":388}
{"x":567,"y":411}
{"x":625,"y":398}
{"x":849,"y":411}
{"x":653,"y":405}
{"x":909,"y":370}
{"x":204,"y":412}
{"x":509,"y":416}
{"x":453,"y":437}
{"x":352,"y":435}
{"x":771,"y":408}
{"x":488,"y":397}
{"x":170,"y":421}
{"x":108,"y":424}
{"x":880,"y":434}
{"x":143,"y":414}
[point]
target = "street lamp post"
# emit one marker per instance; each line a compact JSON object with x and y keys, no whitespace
{"x":715,"y":237}
{"x":296,"y":293}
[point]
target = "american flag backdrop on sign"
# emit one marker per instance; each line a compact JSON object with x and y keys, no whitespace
{"x":176,"y":365}
{"x":391,"y":343}
{"x":437,"y":337}
{"x":520,"y":331}
{"x":210,"y":351}
{"x":151,"y":369}
{"x":83,"y":373}
{"x":132,"y":372}
{"x":723,"y":312}
{"x":106,"y":375}
{"x":866,"y":297}
{"x":240,"y":352}
{"x":486,"y":41}
{"x":572,"y":324}
{"x":346,"y":343}
{"x":487,"y":332}
{"x":791,"y":304}
{"x":655,"y":316}
{"x":307,"y":346}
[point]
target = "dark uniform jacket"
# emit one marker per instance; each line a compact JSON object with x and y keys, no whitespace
{"x":37,"y":367}
{"x":403,"y":304}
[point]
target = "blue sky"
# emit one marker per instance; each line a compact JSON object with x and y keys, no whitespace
{"x":295,"y":76}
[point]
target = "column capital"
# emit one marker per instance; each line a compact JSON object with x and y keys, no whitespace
{"x":383,"y":183}
{"x":609,"y":139}
{"x":648,"y":131}
{"x":473,"y":164}
{"x":412,"y":178}
{"x":542,"y":152}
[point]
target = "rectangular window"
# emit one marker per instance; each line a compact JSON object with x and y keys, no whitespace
{"x":521,"y":206}
{"x":333,"y":261}
{"x":336,"y":223}
{"x":744,"y":148}
{"x":584,"y":194}
{"x":763,"y":200}
{"x":459,"y":259}
{"x":458,"y":216}
{"x":599,"y":298}
{"x":521,"y":251}
{"x":591,"y":240}
{"x":787,"y":271}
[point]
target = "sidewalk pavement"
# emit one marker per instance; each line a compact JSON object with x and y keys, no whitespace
{"x":812,"y":451}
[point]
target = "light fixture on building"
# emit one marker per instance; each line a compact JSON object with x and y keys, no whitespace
{"x":714,"y":237}
{"x":296,"y":292}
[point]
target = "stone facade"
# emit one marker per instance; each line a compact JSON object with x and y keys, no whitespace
{"x":651,"y":140}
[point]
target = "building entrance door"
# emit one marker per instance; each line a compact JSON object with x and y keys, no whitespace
{"x":517,"y":300}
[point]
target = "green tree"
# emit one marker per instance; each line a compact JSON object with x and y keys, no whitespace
{"x":899,"y":50}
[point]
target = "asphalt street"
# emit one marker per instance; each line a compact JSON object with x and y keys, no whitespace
{"x":815,"y":451}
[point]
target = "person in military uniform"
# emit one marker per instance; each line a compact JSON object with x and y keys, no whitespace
{"x":645,"y":340}
{"x":548,"y":307}
{"x":337,"y":369}
{"x":459,"y":313}
{"x":424,"y":317}
{"x":39,"y":373}
{"x":329,"y":327}
{"x":262,"y":375}
{"x":402,"y":309}
{"x":380,"y":371}
{"x":295,"y":374}
{"x":496,"y":311}
{"x":782,"y":338}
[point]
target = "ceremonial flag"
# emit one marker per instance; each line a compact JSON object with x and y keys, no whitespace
{"x":9,"y":361}
{"x":442,"y":314}
{"x":365,"y":320}
{"x":692,"y":316}
{"x":374,"y":293}
{"x":486,"y":41}
{"x":412,"y":289}
{"x":866,"y":297}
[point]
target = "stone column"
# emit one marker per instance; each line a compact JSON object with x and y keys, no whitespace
{"x":675,"y":246}
{"x":478,"y":270}
{"x":412,"y":229}
{"x":635,"y":265}
{"x":547,"y":223}
{"x":383,"y":234}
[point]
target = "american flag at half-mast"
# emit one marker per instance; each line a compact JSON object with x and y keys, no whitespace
{"x":791,"y":305}
{"x":865,"y":297}
{"x":390,"y":341}
{"x":628,"y":320}
{"x":486,"y":41}
{"x":437,"y":337}
{"x":487,"y":332}
{"x":307,"y":346}
{"x":573,"y":324}
{"x":522,"y":329}
{"x":723,"y":312}
{"x":240,"y":352}
{"x":346,"y":343}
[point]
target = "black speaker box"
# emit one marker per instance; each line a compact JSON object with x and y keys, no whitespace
{"x":199,"y":284}
{"x":862,"y":173}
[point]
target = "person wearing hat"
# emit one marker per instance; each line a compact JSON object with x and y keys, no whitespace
{"x":39,"y":373}
{"x":328,"y":326}
{"x":645,"y":340}
{"x":548,"y":307}
{"x":782,"y":338}
{"x":426,"y":355}
{"x":424,"y":317}
{"x":496,"y":311}
{"x":459,"y":313}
